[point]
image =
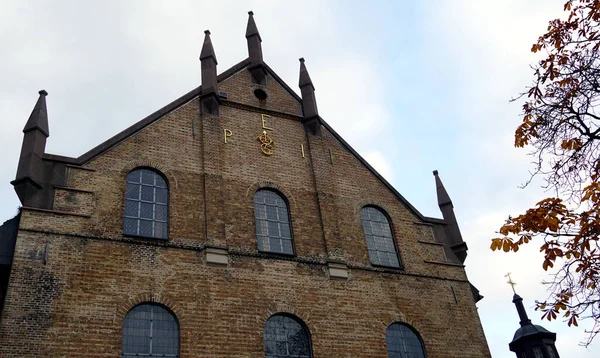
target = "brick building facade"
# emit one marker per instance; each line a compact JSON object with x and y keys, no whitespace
{"x":273,"y":236}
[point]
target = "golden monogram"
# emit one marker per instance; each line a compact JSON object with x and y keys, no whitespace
{"x":267,"y":144}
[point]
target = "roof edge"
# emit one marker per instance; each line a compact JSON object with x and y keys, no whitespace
{"x":131,"y":130}
{"x":282,"y":83}
{"x":59,"y":158}
{"x":378,"y":176}
{"x":432,"y":220}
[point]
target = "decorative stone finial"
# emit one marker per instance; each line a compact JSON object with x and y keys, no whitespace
{"x":255,"y":55}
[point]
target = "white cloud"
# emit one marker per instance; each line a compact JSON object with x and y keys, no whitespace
{"x":378,"y":161}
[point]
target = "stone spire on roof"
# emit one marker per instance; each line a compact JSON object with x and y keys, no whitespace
{"x":208,"y":62}
{"x":30,"y":170}
{"x":251,"y":28}
{"x":454,"y":238}
{"x":39,"y":116}
{"x":442,"y":194}
{"x":304,"y":76}
{"x":309,"y":100}
{"x":207,"y":48}
{"x":256,"y":66}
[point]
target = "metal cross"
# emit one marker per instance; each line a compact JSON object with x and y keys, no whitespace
{"x":511,"y":282}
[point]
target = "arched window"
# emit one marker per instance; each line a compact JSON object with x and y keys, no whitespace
{"x":150,"y":330}
{"x":272,"y":223}
{"x":146,"y":205}
{"x":286,"y":336}
{"x":403,"y":342}
{"x":380,"y":242}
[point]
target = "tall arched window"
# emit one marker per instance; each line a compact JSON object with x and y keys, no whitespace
{"x":150,"y":330}
{"x":146,"y":205}
{"x":286,"y":336}
{"x":403,"y":342}
{"x":272,"y":223}
{"x":378,"y":234}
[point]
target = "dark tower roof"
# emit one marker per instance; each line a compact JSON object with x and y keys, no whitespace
{"x":39,"y":116}
{"x":531,"y":336}
{"x":207,"y":48}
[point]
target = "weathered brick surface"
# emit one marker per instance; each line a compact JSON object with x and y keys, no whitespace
{"x":240,"y":89}
{"x":74,"y":304}
{"x":77,"y":201}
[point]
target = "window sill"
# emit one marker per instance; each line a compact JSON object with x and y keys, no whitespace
{"x":149,"y":238}
{"x":397,"y":268}
{"x":276,"y":254}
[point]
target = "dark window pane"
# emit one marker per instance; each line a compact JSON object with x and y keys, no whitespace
{"x":160,"y":212}
{"x":272,"y":222}
{"x":147,"y":193}
{"x":130,"y":226}
{"x":285,"y":231}
{"x":161,"y":230}
{"x":150,"y":331}
{"x":378,"y":235}
{"x":262,"y":243}
{"x":131,"y":208}
{"x":272,"y":213}
{"x":275,"y":245}
{"x":146,"y":210}
{"x":282,"y":214}
{"x":148,"y":177}
{"x":286,"y":337}
{"x":133,"y":191}
{"x":160,"y":182}
{"x":146,"y":228}
{"x":286,"y":245}
{"x":403,"y":342}
{"x":146,"y":204}
{"x":273,"y":229}
{"x":134,"y":176}
{"x":161,"y":195}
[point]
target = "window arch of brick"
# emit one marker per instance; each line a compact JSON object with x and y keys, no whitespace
{"x":287,"y":336}
{"x":403,"y":341}
{"x":379,"y":237}
{"x":150,"y":330}
{"x":146,"y":211}
{"x":273,"y":222}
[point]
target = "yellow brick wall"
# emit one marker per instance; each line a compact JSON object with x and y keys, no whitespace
{"x":74,"y":304}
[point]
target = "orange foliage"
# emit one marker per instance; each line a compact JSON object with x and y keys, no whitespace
{"x":560,"y":123}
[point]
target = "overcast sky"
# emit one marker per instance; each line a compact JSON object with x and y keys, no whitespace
{"x":436,"y":77}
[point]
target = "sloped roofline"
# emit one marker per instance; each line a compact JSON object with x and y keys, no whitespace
{"x":378,"y":176}
{"x":128,"y":132}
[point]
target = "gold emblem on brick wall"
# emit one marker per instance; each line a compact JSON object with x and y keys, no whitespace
{"x":266,"y":143}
